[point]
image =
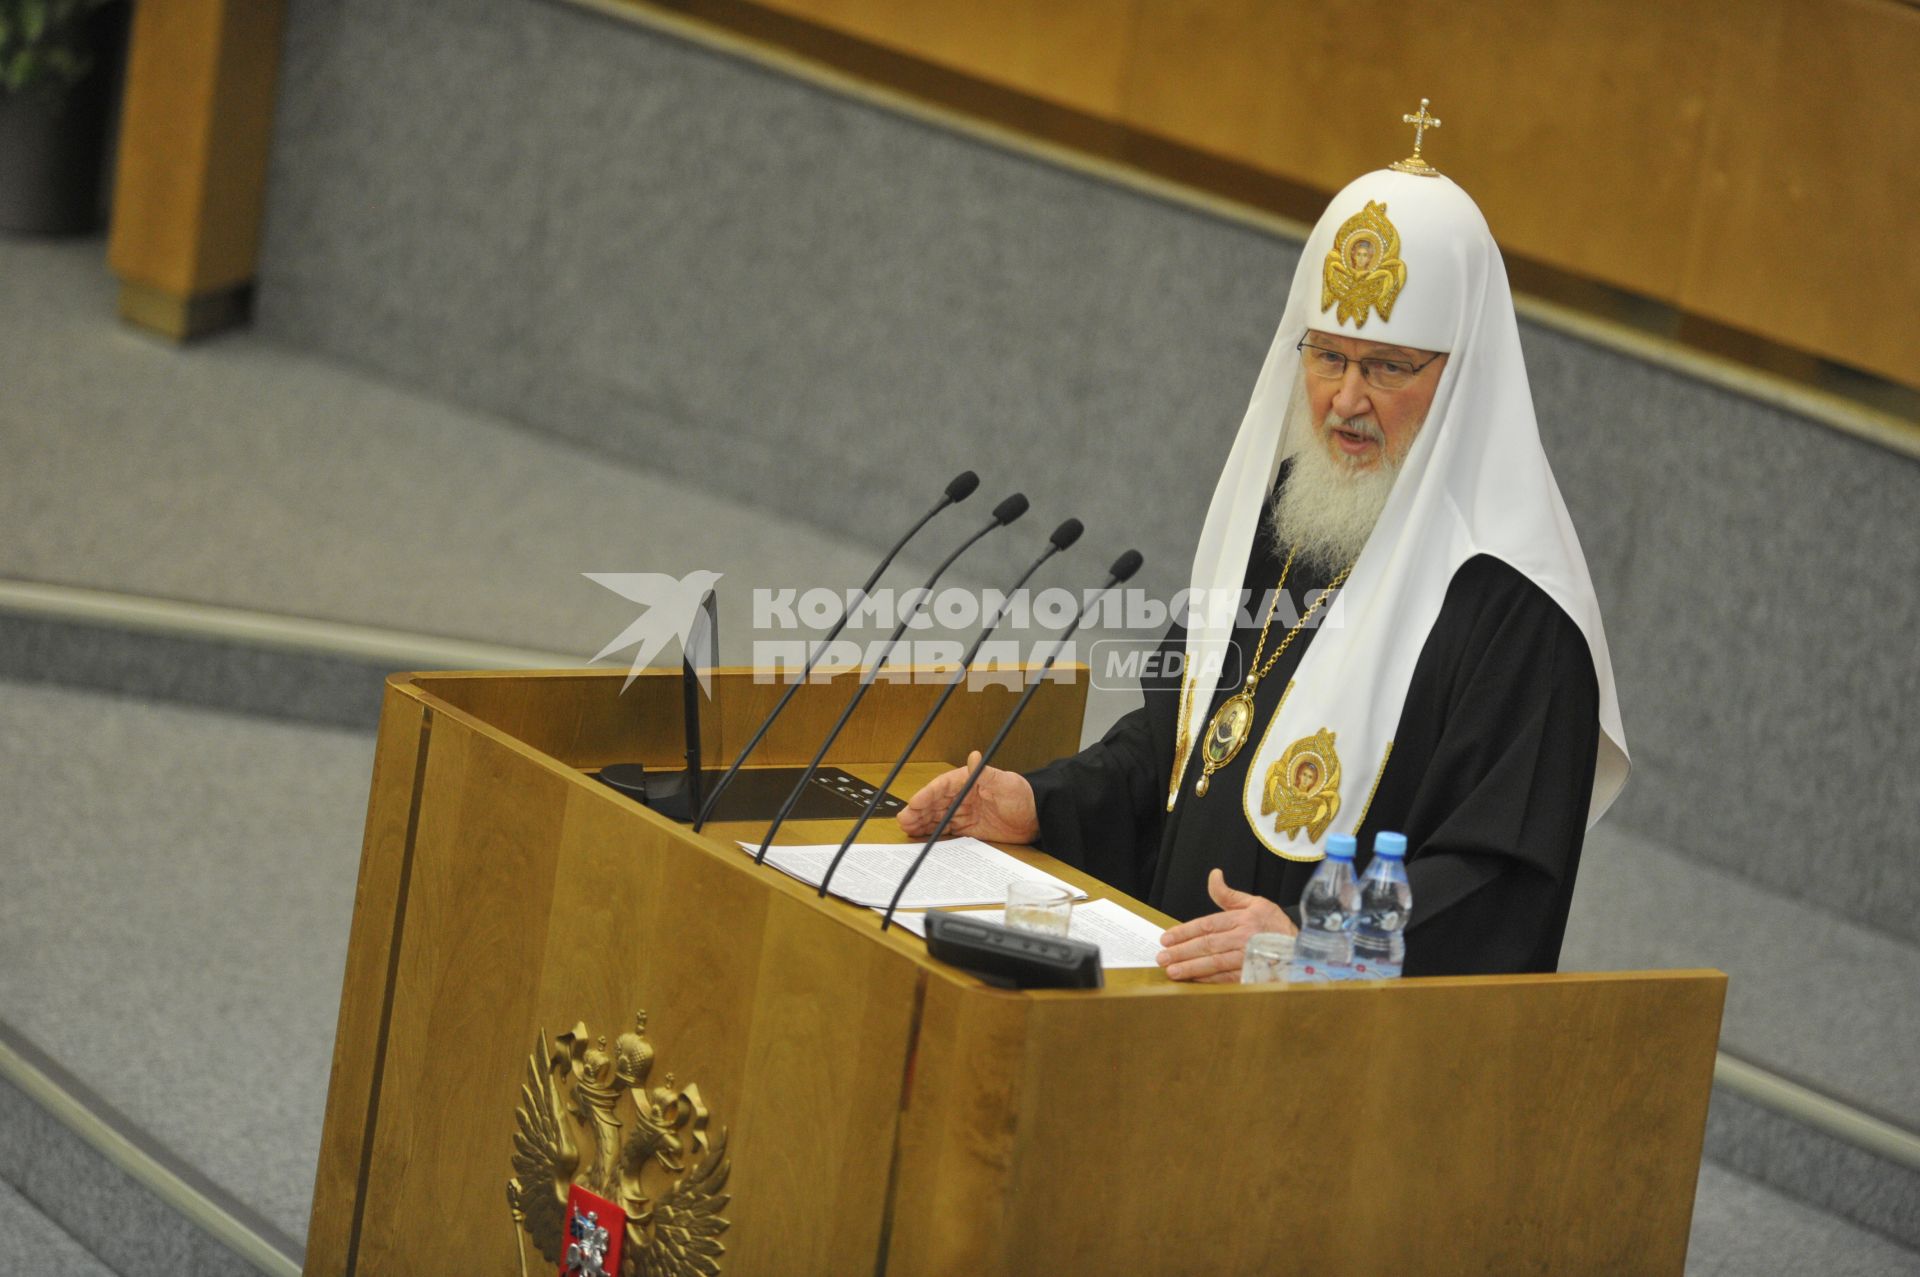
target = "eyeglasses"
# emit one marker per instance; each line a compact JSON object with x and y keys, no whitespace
{"x":1381,"y":374}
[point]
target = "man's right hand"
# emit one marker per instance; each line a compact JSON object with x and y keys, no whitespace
{"x":1000,"y":808}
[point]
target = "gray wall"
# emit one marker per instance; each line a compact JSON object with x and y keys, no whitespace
{"x":699,"y":265}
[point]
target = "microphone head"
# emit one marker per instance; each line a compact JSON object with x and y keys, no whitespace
{"x":1125,"y":566}
{"x":962,"y":486}
{"x":1010,"y":509}
{"x":1066,"y":534}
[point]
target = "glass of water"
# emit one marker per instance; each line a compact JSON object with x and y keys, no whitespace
{"x":1039,"y":906}
{"x":1266,"y":959}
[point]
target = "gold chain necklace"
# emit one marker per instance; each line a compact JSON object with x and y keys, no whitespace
{"x":1233,"y":721}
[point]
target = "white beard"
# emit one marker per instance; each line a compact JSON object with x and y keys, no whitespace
{"x":1327,"y":508}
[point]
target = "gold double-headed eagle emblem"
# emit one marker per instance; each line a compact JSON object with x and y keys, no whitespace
{"x":574,"y":1089}
{"x":1302,"y":790}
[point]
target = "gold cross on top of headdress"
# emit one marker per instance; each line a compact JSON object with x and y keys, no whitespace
{"x":1413,"y":163}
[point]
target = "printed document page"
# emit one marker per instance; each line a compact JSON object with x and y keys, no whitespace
{"x":959,"y":871}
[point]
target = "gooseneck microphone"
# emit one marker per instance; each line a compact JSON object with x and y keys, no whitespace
{"x":959,"y":489}
{"x":1063,"y":538}
{"x":1003,"y":514}
{"x":1123,"y":569}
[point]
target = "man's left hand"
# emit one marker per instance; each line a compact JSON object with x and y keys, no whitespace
{"x":1209,"y":949}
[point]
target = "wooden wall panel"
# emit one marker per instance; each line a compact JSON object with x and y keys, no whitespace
{"x":1746,"y":164}
{"x":1070,"y":52}
{"x":1728,"y":161}
{"x":1533,"y":136}
{"x":1804,"y":221}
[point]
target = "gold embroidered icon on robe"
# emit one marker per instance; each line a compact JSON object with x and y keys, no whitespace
{"x":1363,"y":269}
{"x":1302,"y":790}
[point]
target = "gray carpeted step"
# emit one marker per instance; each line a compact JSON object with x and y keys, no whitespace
{"x":179,"y":887}
{"x":1812,"y":1163}
{"x":1811,"y":997}
{"x":246,"y":475}
{"x":1742,"y":1228}
{"x":133,"y":1204}
{"x":30,"y":1242}
{"x":350,"y":501}
{"x":214,"y":673}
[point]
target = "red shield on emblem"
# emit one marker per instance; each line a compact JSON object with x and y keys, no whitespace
{"x":594,"y":1230}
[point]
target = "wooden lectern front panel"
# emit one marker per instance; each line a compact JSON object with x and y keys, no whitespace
{"x":584,"y":719}
{"x":878,"y":1111}
{"x":1490,"y":1125}
{"x":534,"y":903}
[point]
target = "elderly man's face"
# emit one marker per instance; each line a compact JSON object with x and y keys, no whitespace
{"x":1379,"y":425}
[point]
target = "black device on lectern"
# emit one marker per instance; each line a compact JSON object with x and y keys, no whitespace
{"x":1013,"y":959}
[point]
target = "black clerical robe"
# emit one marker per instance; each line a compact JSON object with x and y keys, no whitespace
{"x":1489,"y":779}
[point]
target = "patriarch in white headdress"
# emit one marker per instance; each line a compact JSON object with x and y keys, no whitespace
{"x":1402,"y":256}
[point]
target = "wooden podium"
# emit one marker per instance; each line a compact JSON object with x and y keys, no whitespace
{"x":880,"y":1112}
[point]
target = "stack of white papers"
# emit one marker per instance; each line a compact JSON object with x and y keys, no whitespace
{"x":1125,"y":939}
{"x":959,"y":871}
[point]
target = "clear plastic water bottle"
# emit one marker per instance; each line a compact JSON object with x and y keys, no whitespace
{"x":1324,"y":950}
{"x":1386,"y":898}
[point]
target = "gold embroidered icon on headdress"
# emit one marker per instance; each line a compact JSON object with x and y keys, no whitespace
{"x":1303,"y":788}
{"x":1363,"y":267}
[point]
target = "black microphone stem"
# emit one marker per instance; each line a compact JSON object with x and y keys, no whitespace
{"x":926,"y":724}
{"x":986,"y":755}
{"x":846,"y":614}
{"x":866,"y":681}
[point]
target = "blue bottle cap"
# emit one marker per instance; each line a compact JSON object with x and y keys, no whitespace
{"x":1386,"y":843}
{"x":1342,"y":846}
